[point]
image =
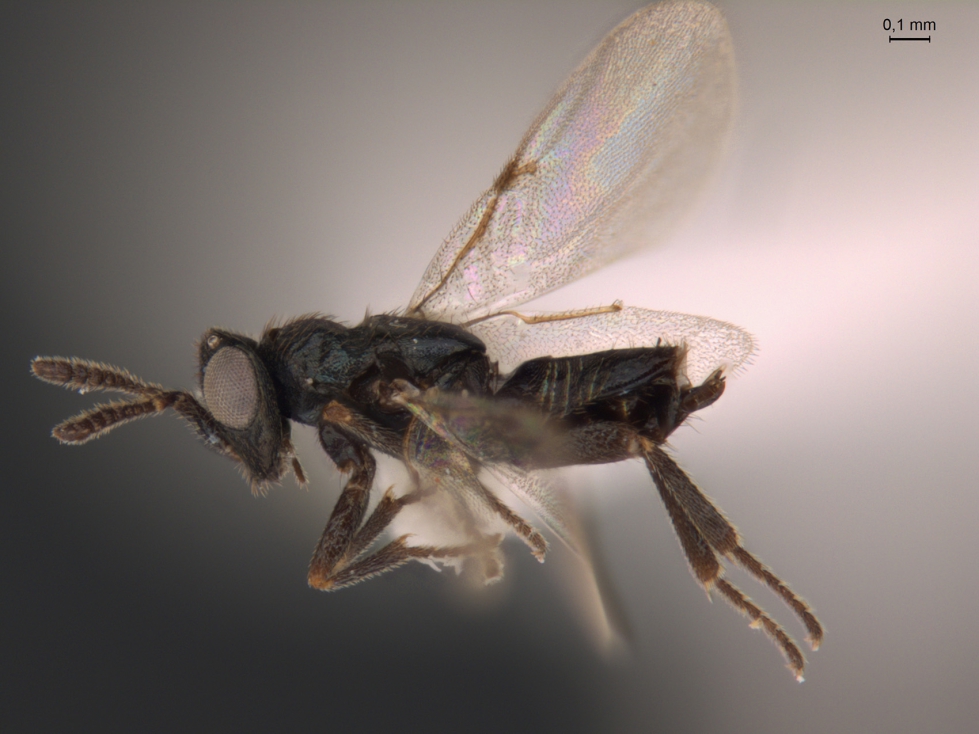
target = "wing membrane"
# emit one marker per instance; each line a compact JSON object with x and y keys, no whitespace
{"x":608,"y":167}
{"x":711,"y":344}
{"x":484,"y":430}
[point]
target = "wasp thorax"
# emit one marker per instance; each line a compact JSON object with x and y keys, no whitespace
{"x":231,"y":388}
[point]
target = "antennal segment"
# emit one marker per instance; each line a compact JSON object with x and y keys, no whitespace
{"x":86,"y":376}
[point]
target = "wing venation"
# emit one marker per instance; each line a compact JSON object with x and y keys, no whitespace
{"x":608,"y":167}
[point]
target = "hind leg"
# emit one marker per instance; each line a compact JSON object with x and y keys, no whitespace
{"x":703,"y":532}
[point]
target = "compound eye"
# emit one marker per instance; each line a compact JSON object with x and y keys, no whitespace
{"x":231,"y":388}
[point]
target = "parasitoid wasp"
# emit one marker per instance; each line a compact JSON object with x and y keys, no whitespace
{"x":460,"y":385}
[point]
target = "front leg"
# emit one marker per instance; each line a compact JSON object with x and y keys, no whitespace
{"x":348,"y":513}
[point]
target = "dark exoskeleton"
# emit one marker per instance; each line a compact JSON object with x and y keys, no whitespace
{"x":597,"y":408}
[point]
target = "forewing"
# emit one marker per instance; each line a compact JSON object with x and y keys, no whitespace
{"x":609,"y":166}
{"x":711,"y":344}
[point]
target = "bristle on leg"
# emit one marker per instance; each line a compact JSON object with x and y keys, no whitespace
{"x":759,"y":619}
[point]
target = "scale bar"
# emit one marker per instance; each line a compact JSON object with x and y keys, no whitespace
{"x":910,"y":38}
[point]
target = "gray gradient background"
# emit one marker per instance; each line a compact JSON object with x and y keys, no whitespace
{"x":170,"y":167}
